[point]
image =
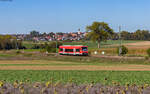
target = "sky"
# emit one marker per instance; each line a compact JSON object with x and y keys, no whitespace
{"x":23,"y":16}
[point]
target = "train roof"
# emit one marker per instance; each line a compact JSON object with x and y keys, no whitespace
{"x":73,"y":46}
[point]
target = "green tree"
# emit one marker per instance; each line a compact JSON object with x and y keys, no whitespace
{"x":34,"y":33}
{"x":8,"y":42}
{"x":100,"y":31}
{"x":125,"y":35}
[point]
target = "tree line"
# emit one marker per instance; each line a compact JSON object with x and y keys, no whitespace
{"x":8,"y":42}
{"x":137,"y":35}
{"x":97,"y":32}
{"x":101,"y":31}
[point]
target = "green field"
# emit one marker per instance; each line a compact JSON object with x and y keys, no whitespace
{"x":104,"y":77}
{"x":90,"y":44}
{"x":34,"y":65}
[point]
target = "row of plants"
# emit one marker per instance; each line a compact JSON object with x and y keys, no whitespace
{"x":70,"y":88}
{"x":78,"y":77}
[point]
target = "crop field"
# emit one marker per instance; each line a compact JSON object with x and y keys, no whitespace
{"x":76,"y":69}
{"x":78,"y":77}
{"x":107,"y":73}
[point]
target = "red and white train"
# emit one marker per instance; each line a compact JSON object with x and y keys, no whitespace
{"x":73,"y":50}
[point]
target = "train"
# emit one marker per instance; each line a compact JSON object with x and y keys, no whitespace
{"x":73,"y":50}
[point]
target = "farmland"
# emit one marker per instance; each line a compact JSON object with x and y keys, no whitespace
{"x":79,"y":77}
{"x":135,"y":47}
{"x":36,"y":66}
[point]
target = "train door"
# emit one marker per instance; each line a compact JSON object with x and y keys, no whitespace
{"x":63,"y":50}
{"x":74,"y":51}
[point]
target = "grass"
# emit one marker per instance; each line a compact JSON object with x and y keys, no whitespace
{"x":30,"y":50}
{"x":107,"y":44}
{"x":6,"y":55}
{"x":104,"y":77}
{"x":109,"y":47}
{"x":90,"y":44}
{"x":66,"y":60}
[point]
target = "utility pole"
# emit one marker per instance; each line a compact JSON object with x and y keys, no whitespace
{"x":56,"y":43}
{"x":17,"y":44}
{"x":120,"y":47}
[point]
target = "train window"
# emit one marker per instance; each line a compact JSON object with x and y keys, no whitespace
{"x":77,"y":50}
{"x":84,"y":49}
{"x":61,"y":49}
{"x":68,"y":50}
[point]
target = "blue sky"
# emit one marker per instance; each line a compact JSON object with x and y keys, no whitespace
{"x":23,"y":16}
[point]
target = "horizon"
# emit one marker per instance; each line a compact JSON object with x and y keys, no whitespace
{"x":21,"y":17}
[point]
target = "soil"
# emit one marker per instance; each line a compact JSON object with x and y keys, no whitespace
{"x":83,"y":67}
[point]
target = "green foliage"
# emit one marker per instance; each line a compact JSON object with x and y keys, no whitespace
{"x":137,"y":35}
{"x":8,"y":42}
{"x":35,"y":46}
{"x":50,"y":49}
{"x":34,"y":33}
{"x":89,"y":52}
{"x":103,"y":77}
{"x":18,"y":52}
{"x":148,"y":52}
{"x":100,"y":31}
{"x":122,"y":50}
{"x":146,"y":57}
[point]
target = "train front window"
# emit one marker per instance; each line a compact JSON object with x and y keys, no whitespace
{"x":61,"y":49}
{"x":84,"y":49}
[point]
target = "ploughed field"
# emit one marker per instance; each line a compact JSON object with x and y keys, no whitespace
{"x":70,"y":65}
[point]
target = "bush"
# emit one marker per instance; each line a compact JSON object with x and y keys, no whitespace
{"x":35,"y":46}
{"x":50,"y":49}
{"x":8,"y":42}
{"x":146,"y":57}
{"x":89,"y":53}
{"x":53,"y":44}
{"x":18,"y":52}
{"x":124,"y":50}
{"x":148,"y":52}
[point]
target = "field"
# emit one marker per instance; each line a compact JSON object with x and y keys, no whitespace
{"x":79,"y":77}
{"x":79,"y":69}
{"x":136,"y":48}
{"x":36,"y":66}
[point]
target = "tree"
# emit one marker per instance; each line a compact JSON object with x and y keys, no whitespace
{"x":34,"y":33}
{"x":100,"y":31}
{"x":8,"y":42}
{"x":125,"y":35}
{"x":141,"y":35}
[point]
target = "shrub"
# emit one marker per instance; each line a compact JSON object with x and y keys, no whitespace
{"x":50,"y":49}
{"x":18,"y":52}
{"x":146,"y":57}
{"x":35,"y":46}
{"x":124,"y":50}
{"x":89,"y":53}
{"x":148,"y":52}
{"x":53,"y":44}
